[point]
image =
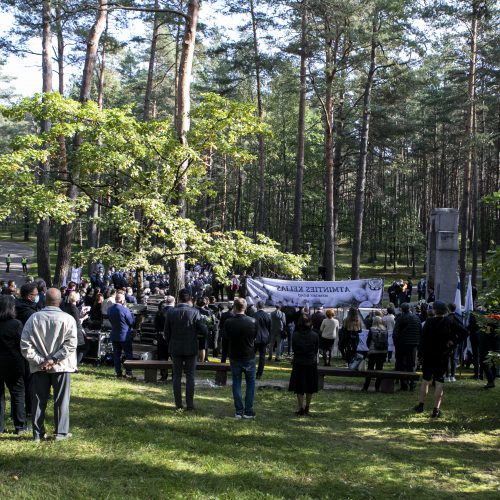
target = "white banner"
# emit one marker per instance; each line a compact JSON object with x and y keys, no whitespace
{"x":357,"y":293}
{"x":76,"y":274}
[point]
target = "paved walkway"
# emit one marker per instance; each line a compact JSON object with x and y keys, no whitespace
{"x":17,"y":251}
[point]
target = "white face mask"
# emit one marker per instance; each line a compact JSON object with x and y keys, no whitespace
{"x":37,"y":299}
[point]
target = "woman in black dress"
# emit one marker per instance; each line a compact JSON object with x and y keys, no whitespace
{"x":304,"y":377}
{"x":12,"y":364}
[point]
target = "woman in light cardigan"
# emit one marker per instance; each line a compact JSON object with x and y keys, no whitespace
{"x":329,"y":329}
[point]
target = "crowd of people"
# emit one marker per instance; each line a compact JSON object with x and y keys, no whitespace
{"x":43,"y":340}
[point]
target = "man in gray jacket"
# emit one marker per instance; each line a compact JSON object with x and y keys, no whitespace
{"x":48,"y":342}
{"x":183,"y":327}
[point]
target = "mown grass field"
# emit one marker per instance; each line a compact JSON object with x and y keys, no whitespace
{"x":129,"y":443}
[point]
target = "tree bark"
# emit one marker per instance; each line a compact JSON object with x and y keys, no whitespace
{"x":329,"y":255}
{"x":177,"y":267}
{"x":261,"y":208}
{"x":66,"y":233}
{"x":359,"y":204}
{"x":470,"y":137}
{"x":299,"y":176}
{"x":43,"y":227}
{"x":151,"y":66}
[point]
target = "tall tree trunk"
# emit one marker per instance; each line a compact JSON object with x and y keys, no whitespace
{"x":177,"y":267}
{"x":148,"y":94}
{"x":261,"y":208}
{"x":43,"y":227}
{"x":470,"y":137}
{"x":93,"y":232}
{"x":359,"y":204}
{"x":66,"y":233}
{"x":299,"y":176}
{"x":329,"y":255}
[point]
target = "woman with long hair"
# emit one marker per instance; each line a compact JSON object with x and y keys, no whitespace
{"x":12,"y":366}
{"x":352,"y":329}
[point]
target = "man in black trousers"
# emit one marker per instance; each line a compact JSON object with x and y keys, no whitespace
{"x":183,"y":327}
{"x":406,"y":336}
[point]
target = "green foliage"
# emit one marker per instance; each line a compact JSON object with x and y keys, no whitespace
{"x":132,"y":169}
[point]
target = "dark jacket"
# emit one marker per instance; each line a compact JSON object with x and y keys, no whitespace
{"x":240,"y":332}
{"x":407,"y":330}
{"x":263,"y":327}
{"x":73,"y":311}
{"x":183,"y":325}
{"x":122,"y":321}
{"x":130,"y":299}
{"x":458,"y":328}
{"x":317,"y":318}
{"x":305,"y":347}
{"x":438,"y":337}
{"x":12,"y":365}
{"x":24,"y":309}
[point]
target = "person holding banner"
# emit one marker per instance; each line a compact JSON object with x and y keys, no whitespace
{"x":304,"y":376}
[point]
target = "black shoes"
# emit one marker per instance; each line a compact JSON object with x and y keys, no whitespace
{"x":419,"y":408}
{"x":489,"y":385}
{"x":436,"y":413}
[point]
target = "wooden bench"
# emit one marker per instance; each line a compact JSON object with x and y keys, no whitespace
{"x":151,"y":368}
{"x":388,"y":377}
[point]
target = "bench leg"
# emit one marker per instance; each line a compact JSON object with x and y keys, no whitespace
{"x":151,"y":375}
{"x":387,"y":385}
{"x":321,"y":382}
{"x":220,"y":378}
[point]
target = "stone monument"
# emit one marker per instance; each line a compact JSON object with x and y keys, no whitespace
{"x":442,"y":254}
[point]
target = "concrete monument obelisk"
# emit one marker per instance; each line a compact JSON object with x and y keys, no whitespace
{"x":442,"y":253}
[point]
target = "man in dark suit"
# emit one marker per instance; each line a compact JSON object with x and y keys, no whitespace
{"x":122,"y":323}
{"x":263,"y":333}
{"x":183,"y":326}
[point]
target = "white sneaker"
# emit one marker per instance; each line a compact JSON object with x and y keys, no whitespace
{"x":453,"y":379}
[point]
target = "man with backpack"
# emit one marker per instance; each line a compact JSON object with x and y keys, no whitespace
{"x":406,"y":336}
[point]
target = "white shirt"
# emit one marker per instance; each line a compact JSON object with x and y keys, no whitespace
{"x":329,"y":328}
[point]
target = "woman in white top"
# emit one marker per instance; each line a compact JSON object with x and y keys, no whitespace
{"x":329,"y":329}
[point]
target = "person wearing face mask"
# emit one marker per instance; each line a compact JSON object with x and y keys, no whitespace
{"x":26,"y":306}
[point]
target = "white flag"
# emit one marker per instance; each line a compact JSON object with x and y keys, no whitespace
{"x":469,"y":304}
{"x":458,"y":300}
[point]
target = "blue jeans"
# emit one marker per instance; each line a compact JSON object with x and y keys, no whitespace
{"x":238,"y":367}
{"x":118,"y":347}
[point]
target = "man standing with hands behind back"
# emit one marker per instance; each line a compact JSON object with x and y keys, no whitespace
{"x":183,"y":325}
{"x":49,"y":342}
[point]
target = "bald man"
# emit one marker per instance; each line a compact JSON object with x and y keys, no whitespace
{"x":48,"y":342}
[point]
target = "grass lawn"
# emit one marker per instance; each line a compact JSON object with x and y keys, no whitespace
{"x":129,"y":443}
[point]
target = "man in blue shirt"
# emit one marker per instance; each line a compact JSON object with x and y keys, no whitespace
{"x":122,"y":322}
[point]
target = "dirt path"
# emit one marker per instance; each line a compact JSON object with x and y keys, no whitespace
{"x":17,"y":251}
